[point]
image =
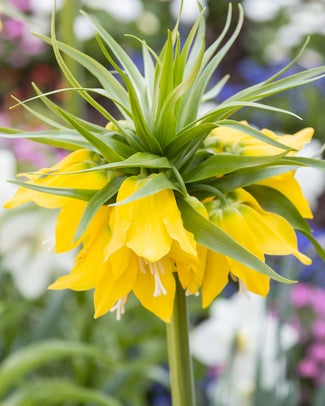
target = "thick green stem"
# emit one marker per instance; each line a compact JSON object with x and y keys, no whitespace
{"x":74,"y":103}
{"x":180,"y":362}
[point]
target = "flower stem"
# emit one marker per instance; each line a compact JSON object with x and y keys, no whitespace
{"x":180,"y":362}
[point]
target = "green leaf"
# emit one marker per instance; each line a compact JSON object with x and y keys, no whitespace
{"x":35,"y":355}
{"x":154,"y":185}
{"x":302,"y":161}
{"x":58,"y":391}
{"x":108,"y":81}
{"x":107,"y":152}
{"x":252,"y":132}
{"x":73,"y":81}
{"x":195,"y":97}
{"x":223,"y":163}
{"x":248,"y":177}
{"x":53,"y":107}
{"x":81,"y":194}
{"x":138,"y":160}
{"x":40,"y":116}
{"x":274,"y":201}
{"x":68,"y":139}
{"x":97,"y":200}
{"x":147,"y":140}
{"x":215,"y":90}
{"x":129,"y":66}
{"x":214,"y":238}
{"x":179,"y":144}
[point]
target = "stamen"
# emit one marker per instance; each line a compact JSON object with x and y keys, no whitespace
{"x":119,"y":307}
{"x":50,"y":243}
{"x":243,"y":288}
{"x":141,"y":264}
{"x":159,"y":287}
{"x":188,"y":293}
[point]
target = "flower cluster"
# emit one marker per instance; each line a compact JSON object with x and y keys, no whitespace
{"x":164,"y":195}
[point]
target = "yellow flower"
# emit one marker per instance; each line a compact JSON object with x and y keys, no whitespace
{"x":259,"y":231}
{"x":71,"y":209}
{"x":54,"y":177}
{"x":238,"y":142}
{"x":134,"y":246}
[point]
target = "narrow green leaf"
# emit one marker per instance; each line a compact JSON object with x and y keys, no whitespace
{"x":81,"y":194}
{"x":39,"y":115}
{"x":154,"y":185}
{"x":33,"y":356}
{"x":97,"y":200}
{"x":107,"y":80}
{"x":221,"y":164}
{"x":56,"y":391}
{"x":127,"y":63}
{"x":108,"y":153}
{"x":302,"y":161}
{"x":224,"y":110}
{"x":252,"y":132}
{"x":146,"y":138}
{"x":211,"y":236}
{"x":68,"y":139}
{"x":215,"y":90}
{"x":198,"y":132}
{"x":7,"y":130}
{"x":138,"y":160}
{"x":73,"y":81}
{"x":249,"y":176}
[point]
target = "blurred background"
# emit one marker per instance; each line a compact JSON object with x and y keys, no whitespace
{"x":246,"y":352}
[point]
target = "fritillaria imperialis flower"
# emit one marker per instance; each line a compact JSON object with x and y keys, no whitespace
{"x":162,"y":195}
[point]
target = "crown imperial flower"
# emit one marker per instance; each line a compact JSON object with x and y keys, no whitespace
{"x":160,"y":195}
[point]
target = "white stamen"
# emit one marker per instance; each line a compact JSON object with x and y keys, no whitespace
{"x":161,"y":267}
{"x":119,"y":307}
{"x":141,"y":264}
{"x":243,"y":288}
{"x":188,"y":293}
{"x":50,"y":243}
{"x":159,"y":287}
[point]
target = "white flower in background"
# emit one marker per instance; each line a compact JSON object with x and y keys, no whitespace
{"x":237,"y":333}
{"x":7,"y":171}
{"x":44,"y":7}
{"x":26,"y":242}
{"x":22,"y":250}
{"x":312,"y":182}
{"x":302,"y":18}
{"x":190,"y":10}
{"x":266,"y":10}
{"x":83,"y":28}
{"x":123,"y":10}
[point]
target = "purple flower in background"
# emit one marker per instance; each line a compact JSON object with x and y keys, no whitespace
{"x":318,"y":301}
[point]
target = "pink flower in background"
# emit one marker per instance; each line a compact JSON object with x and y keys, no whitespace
{"x":317,"y":352}
{"x":23,"y":5}
{"x":318,"y":301}
{"x":308,"y":368}
{"x":318,"y":329}
{"x":301,"y":295}
{"x":13,"y":28}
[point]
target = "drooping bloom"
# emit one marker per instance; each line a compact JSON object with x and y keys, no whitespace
{"x":238,"y":142}
{"x":259,"y":231}
{"x":135,"y":246}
